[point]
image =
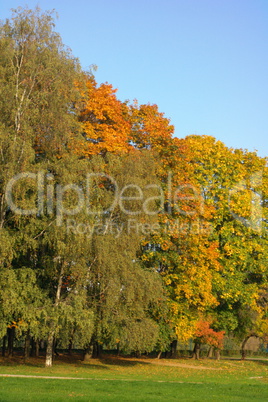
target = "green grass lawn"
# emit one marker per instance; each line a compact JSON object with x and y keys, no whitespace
{"x":116,"y":379}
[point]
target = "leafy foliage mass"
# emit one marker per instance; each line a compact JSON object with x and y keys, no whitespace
{"x":133,"y":238}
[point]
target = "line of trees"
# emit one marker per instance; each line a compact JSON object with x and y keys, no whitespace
{"x":113,"y":232}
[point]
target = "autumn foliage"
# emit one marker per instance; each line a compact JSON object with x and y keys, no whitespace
{"x":192,"y":268}
{"x":105,"y":127}
{"x":206,"y":335}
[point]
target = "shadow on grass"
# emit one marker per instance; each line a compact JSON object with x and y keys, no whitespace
{"x":117,"y":361}
{"x":102,"y":363}
{"x":75,"y":360}
{"x":18,"y":361}
{"x":261,"y":361}
{"x":58,"y":362}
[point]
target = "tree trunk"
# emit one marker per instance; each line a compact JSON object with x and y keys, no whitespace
{"x":196,"y":351}
{"x":35,"y":348}
{"x":71,"y":341}
{"x":55,"y":344}
{"x":51,"y":335}
{"x":118,"y":348}
{"x":49,"y":351}
{"x":93,"y":351}
{"x":159,"y":354}
{"x":138,"y":354}
{"x":4,"y":346}
{"x":27,"y":345}
{"x":97,"y":349}
{"x":174,"y":348}
{"x":10,"y":341}
{"x":88,"y":353}
{"x":70,"y":347}
{"x":210,"y":352}
{"x":217,"y":354}
{"x":243,"y":350}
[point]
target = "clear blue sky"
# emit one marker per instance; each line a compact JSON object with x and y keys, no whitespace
{"x":203,"y":62}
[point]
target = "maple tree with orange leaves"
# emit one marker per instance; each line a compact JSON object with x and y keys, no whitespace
{"x":105,"y":127}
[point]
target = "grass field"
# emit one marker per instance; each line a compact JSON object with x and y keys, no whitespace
{"x":117,"y":379}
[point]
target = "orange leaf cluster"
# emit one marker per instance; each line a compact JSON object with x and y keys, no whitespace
{"x":207,"y":335}
{"x":104,"y":123}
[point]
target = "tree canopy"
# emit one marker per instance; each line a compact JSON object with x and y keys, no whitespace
{"x":114,"y":233}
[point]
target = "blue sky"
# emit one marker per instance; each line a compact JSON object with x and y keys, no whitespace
{"x":203,"y":62}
